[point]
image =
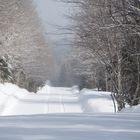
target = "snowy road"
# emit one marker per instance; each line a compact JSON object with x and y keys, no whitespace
{"x":71,"y":127}
{"x":51,"y":100}
{"x":61,"y":116}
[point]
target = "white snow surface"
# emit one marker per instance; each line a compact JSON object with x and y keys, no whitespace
{"x":71,"y":127}
{"x":17,"y":101}
{"x":60,"y":113}
{"x":94,"y":101}
{"x":10,"y":96}
{"x":134,"y":109}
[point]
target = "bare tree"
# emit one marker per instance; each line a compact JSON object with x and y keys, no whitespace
{"x":22,"y":38}
{"x":109,"y":29}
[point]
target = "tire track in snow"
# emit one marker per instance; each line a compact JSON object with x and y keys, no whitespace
{"x":46,"y":106}
{"x":63,"y":107}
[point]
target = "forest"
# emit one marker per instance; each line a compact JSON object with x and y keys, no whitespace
{"x":24,"y":53}
{"x":105,"y":47}
{"x":69,"y":69}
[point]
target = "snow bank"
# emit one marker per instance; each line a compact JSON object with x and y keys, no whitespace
{"x":75,"y":89}
{"x":43,"y":89}
{"x":134,"y":109}
{"x":96,"y":101}
{"x":9,"y":95}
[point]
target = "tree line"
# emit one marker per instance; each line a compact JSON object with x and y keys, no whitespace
{"x":24,"y":53}
{"x":107,"y":39}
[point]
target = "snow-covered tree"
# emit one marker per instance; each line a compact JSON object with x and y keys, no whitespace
{"x":6,"y":70}
{"x":23,"y":39}
{"x":109,"y":29}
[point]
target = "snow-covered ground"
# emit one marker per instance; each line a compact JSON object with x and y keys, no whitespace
{"x":93,"y":101}
{"x":47,"y":100}
{"x":134,"y":109}
{"x":10,"y":95}
{"x":59,"y":113}
{"x":17,"y":101}
{"x":71,"y":127}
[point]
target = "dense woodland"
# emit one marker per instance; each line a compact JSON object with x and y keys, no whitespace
{"x":24,"y":55}
{"x":107,"y":40}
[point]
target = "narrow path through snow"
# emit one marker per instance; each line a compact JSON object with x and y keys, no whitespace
{"x":50,"y":100}
{"x":61,"y":118}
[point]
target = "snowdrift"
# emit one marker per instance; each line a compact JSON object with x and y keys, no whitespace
{"x":9,"y":96}
{"x":96,"y":101}
{"x":134,"y":109}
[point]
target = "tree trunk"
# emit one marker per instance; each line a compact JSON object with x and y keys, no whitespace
{"x":119,"y":78}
